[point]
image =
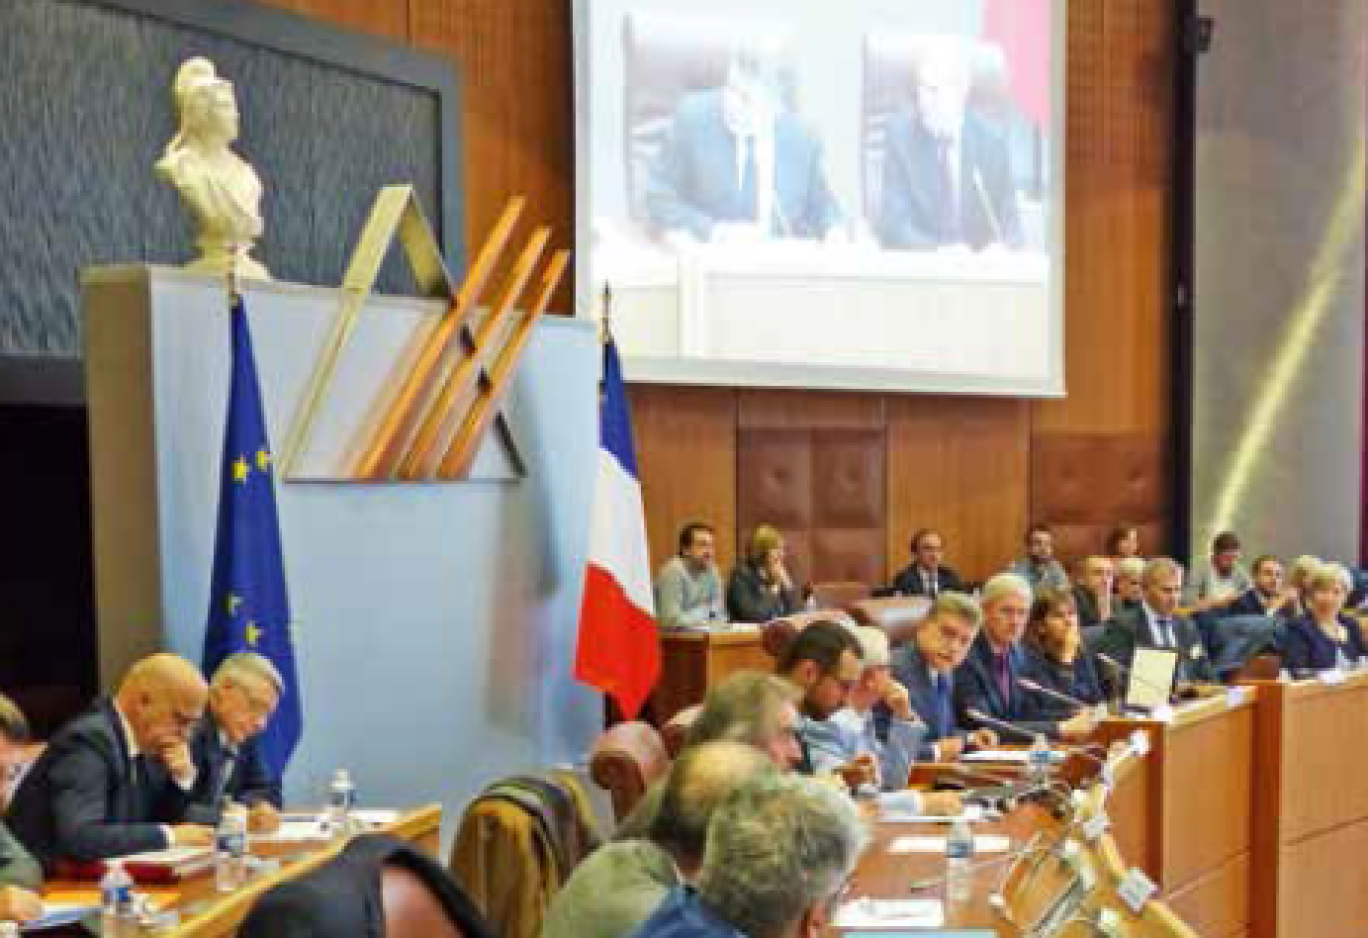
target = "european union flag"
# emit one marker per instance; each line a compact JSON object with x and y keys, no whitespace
{"x":248,"y":606}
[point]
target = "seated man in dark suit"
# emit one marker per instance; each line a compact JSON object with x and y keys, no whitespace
{"x":1268,"y":596}
{"x":926,"y":667}
{"x":926,"y":575}
{"x":986,"y":683}
{"x":117,"y":780}
{"x":1156,"y":624}
{"x":947,"y":179}
{"x":242,"y":697}
{"x":736,"y":165}
{"x":1093,"y":594}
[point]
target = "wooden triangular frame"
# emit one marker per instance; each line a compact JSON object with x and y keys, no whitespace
{"x":405,"y":446}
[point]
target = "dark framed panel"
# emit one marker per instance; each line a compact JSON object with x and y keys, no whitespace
{"x":328,"y":117}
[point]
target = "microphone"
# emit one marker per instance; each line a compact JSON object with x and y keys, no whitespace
{"x":1050,"y":692}
{"x":981,"y":717}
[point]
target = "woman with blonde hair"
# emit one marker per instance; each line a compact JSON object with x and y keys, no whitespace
{"x":760,"y":588}
{"x":1323,"y":638}
{"x":1056,"y":657}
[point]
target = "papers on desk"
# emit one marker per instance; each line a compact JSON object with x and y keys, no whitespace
{"x":890,"y":913}
{"x":59,"y":914}
{"x":903,"y":807}
{"x":983,"y":843}
{"x":297,"y":828}
{"x":1010,"y":756}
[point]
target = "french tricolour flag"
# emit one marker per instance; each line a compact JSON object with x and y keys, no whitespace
{"x":619,"y":650}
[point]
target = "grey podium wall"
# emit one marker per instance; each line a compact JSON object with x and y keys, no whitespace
{"x":435,"y":622}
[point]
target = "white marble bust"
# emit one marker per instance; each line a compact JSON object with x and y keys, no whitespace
{"x":220,"y":189}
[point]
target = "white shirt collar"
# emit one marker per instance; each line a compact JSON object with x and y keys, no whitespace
{"x":130,"y":741}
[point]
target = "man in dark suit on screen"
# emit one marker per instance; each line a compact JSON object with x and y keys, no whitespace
{"x":242,"y":697}
{"x":736,"y":165}
{"x":947,"y":179}
{"x":1157,"y":624}
{"x":118,"y":779}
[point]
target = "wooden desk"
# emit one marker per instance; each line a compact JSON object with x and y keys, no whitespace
{"x":1311,"y":809}
{"x":1185,"y":814}
{"x":206,"y":913}
{"x":691,"y":663}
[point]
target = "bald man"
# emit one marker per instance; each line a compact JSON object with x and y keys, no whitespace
{"x":119,"y":778}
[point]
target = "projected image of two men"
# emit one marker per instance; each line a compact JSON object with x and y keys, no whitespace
{"x":847,"y":195}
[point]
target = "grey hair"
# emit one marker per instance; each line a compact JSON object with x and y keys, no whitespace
{"x":699,"y":780}
{"x":778,"y":846}
{"x":745,"y":708}
{"x":958,"y":605}
{"x":251,"y":664}
{"x":1003,"y":585}
{"x":1302,"y":567}
{"x":1158,"y":566}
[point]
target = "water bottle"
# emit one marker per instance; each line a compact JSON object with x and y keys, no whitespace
{"x":116,"y":902}
{"x":959,"y":858}
{"x":230,"y":849}
{"x":341,"y":800}
{"x":1038,"y":759}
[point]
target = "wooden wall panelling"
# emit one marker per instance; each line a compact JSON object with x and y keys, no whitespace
{"x":514,"y":59}
{"x":958,"y":464}
{"x":812,"y":463}
{"x":686,"y":456}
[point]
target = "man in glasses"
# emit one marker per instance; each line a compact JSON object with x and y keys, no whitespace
{"x":242,"y":697}
{"x":926,"y":667}
{"x":823,"y":663}
{"x":118,"y":779}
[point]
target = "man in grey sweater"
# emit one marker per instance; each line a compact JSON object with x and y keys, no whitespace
{"x":688,"y":588}
{"x":619,"y":885}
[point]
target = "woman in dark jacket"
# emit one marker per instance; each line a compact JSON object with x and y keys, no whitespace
{"x":1056,"y":657}
{"x":760,"y":588}
{"x":1323,"y":639}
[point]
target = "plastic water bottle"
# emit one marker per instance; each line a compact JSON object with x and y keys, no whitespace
{"x":341,"y":801}
{"x":230,"y":849}
{"x":1038,"y":759}
{"x":959,"y":859}
{"x":116,"y":902}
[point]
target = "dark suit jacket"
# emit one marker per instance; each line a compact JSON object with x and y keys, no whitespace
{"x":750,"y":600}
{"x":977,"y":688}
{"x":81,"y":801}
{"x":1307,"y":648}
{"x":1250,"y":603}
{"x":1078,"y":680}
{"x":1086,"y":603}
{"x":1129,"y":630}
{"x":693,"y":183}
{"x":343,"y":897}
{"x":909,"y":581}
{"x":244,"y":779}
{"x":917,"y":209}
{"x":910,"y":670}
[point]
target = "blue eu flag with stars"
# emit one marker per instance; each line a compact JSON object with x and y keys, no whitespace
{"x":248,"y":606}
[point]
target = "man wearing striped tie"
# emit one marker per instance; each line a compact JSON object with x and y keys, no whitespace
{"x":243,"y":695}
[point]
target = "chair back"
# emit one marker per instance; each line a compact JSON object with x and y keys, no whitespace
{"x":626,"y":759}
{"x":777,"y":633}
{"x":898,"y":616}
{"x":1264,"y":667}
{"x":677,"y":729}
{"x":517,"y":843}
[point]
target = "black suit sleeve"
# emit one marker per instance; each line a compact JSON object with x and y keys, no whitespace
{"x":80,"y":789}
{"x":253,"y":783}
